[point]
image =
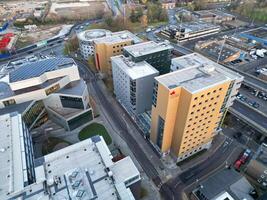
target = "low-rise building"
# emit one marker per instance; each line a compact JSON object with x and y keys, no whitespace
{"x":84,"y":170}
{"x":226,"y":184}
{"x":112,"y":45}
{"x":213,"y":16}
{"x":190,"y":30}
{"x":189,"y":105}
{"x":50,"y":88}
{"x":168,"y":4}
{"x":133,"y":83}
{"x":156,"y":54}
{"x":218,"y":50}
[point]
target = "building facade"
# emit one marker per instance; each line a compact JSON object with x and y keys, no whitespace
{"x":189,"y":105}
{"x":133,"y":84}
{"x":156,"y":54}
{"x":189,"y":31}
{"x":86,"y":39}
{"x":16,"y":145}
{"x":50,"y":88}
{"x":110,"y":46}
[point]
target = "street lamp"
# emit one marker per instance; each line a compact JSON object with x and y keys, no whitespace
{"x":224,"y":39}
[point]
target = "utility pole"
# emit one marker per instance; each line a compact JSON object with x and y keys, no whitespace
{"x":224,"y":39}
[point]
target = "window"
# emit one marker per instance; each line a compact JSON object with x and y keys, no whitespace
{"x":214,"y":91}
{"x":9,"y":102}
{"x":202,"y":95}
{"x":195,"y":98}
{"x":208,"y":93}
{"x":161,"y":123}
{"x":52,"y":89}
{"x":220,"y":89}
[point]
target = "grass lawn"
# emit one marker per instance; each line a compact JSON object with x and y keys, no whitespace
{"x":49,"y":145}
{"x":95,"y":129}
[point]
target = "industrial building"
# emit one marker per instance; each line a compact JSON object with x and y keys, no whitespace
{"x":257,"y":35}
{"x":7,"y":42}
{"x":218,"y":50}
{"x":156,"y":54}
{"x":109,"y":46}
{"x":240,"y":43}
{"x":213,"y":16}
{"x":84,"y":170}
{"x":86,"y":38}
{"x":188,"y":105}
{"x":47,"y":89}
{"x":225,"y":184}
{"x":190,"y":30}
{"x":133,"y":83}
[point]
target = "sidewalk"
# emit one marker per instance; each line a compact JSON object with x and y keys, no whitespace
{"x":216,"y":143}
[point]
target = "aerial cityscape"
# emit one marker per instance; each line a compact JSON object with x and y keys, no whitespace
{"x":133,"y":99}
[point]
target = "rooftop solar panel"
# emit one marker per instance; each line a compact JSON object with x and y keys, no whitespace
{"x":38,"y":68}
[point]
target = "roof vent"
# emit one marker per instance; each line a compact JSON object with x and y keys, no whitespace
{"x":207,"y":68}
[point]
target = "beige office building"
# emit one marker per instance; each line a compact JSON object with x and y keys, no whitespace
{"x":189,"y":105}
{"x":109,"y":46}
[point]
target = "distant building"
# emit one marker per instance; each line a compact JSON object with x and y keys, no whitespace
{"x":86,"y":39}
{"x":50,"y":88}
{"x":156,"y":54}
{"x":84,"y":170}
{"x":112,"y":45}
{"x":257,"y":167}
{"x":257,"y":35}
{"x":168,"y":4}
{"x":133,"y":83}
{"x":213,"y":16}
{"x":218,"y":49}
{"x":190,"y":30}
{"x":225,"y":184}
{"x":189,"y":105}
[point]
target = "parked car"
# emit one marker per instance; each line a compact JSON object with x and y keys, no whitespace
{"x":256,"y":105}
{"x":237,"y":165}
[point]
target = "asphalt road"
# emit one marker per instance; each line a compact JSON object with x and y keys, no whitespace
{"x":251,"y":114}
{"x":173,"y":189}
{"x":118,"y":121}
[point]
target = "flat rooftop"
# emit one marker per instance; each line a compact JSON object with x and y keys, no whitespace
{"x":189,"y":27}
{"x":90,"y":35}
{"x":12,"y":170}
{"x":260,"y":32}
{"x":134,"y":70}
{"x":82,"y":171}
{"x":146,"y":48}
{"x":214,"y":49}
{"x":197,"y":73}
{"x":226,"y":183}
{"x":38,"y":68}
{"x":119,"y":37}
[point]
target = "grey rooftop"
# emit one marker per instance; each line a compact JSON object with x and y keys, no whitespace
{"x":146,"y":48}
{"x":197,"y":73}
{"x":134,"y":70}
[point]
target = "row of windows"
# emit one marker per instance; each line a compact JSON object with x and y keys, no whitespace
{"x":198,"y":149}
{"x":122,"y":45}
{"x":191,"y":135}
{"x":214,"y":91}
{"x":206,"y":101}
{"x":204,"y":108}
{"x":120,"y":50}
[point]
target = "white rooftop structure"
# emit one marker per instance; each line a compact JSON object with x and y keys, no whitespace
{"x":83,"y":171}
{"x":134,"y":70}
{"x":118,"y":37}
{"x":90,"y":35}
{"x":13,"y":154}
{"x":196,"y":72}
{"x":147,"y":48}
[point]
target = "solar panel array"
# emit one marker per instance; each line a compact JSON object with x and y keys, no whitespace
{"x":38,"y":68}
